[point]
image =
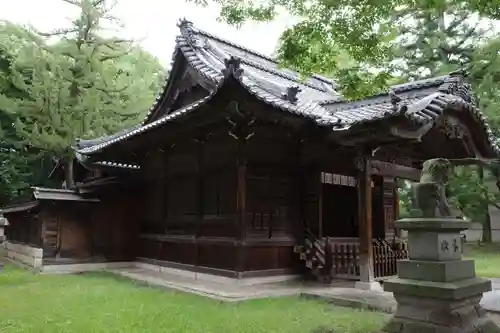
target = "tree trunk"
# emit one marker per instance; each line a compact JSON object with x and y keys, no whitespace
{"x":69,"y":175}
{"x":486,"y":220}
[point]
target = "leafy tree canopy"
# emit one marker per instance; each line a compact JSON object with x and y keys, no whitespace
{"x":370,"y":32}
{"x":82,"y":85}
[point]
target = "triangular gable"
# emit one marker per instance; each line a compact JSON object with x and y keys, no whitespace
{"x":205,"y":55}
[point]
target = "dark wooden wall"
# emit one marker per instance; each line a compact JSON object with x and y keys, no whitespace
{"x":24,"y":227}
{"x":59,"y":227}
{"x":81,"y":230}
{"x":114,"y":224}
{"x":212,"y":202}
{"x":189,"y":213}
{"x":194,"y":192}
{"x":68,"y":224}
{"x":273,"y":209}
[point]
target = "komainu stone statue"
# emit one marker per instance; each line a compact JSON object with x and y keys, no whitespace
{"x":429,"y":194}
{"x":437,"y":291}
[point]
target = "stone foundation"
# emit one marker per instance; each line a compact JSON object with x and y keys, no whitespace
{"x":23,"y":255}
{"x":436,"y":291}
{"x":422,"y":315}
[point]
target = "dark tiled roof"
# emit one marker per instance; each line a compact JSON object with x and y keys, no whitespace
{"x":207,"y":53}
{"x":141,"y":129}
{"x":118,"y":165}
{"x":314,"y":98}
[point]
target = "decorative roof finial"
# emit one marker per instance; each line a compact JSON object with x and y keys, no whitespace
{"x":189,"y":32}
{"x":232,"y":67}
{"x":184,"y":23}
{"x":395,"y":99}
{"x":455,"y":84}
{"x":291,"y":94}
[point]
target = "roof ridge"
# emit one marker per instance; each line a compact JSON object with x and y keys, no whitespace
{"x":398,"y":88}
{"x":186,"y":24}
{"x":263,"y":68}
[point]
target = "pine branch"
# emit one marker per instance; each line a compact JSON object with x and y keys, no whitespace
{"x":58,"y":32}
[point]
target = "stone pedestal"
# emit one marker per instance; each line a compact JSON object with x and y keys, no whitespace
{"x":437,"y":291}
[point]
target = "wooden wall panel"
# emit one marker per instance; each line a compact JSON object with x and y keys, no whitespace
{"x":24,"y":227}
{"x":115,"y":227}
{"x":217,"y":255}
{"x":311,"y":196}
{"x":218,"y":226}
{"x":180,"y":252}
{"x":272,"y":183}
{"x":149,"y":248}
{"x":269,"y":257}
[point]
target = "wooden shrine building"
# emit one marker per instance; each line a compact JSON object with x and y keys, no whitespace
{"x":240,"y":162}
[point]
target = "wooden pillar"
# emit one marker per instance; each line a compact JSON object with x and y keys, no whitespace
{"x":241,"y":122}
{"x":241,"y":204}
{"x":166,"y":187}
{"x":241,"y":198}
{"x":365,"y":224}
{"x":200,"y":142}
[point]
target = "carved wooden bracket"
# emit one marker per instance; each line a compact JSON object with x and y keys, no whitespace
{"x":452,"y":128}
{"x":360,"y":163}
{"x":240,"y":121}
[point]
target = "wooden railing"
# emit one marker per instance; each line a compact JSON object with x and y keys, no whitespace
{"x":339,"y":257}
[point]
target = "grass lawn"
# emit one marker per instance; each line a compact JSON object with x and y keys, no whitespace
{"x":487,"y":258}
{"x":103,"y":303}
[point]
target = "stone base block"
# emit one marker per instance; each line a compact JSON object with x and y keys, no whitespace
{"x":436,"y":271}
{"x":482,"y":325}
{"x":449,"y":291}
{"x":426,"y":315}
{"x":373,"y":286}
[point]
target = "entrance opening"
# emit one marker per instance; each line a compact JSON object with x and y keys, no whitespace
{"x":340,"y":209}
{"x":378,"y":214}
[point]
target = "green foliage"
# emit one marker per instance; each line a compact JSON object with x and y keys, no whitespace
{"x":467,"y":191}
{"x":20,"y":165}
{"x":371,"y":32}
{"x":82,"y":86}
{"x":67,"y":84}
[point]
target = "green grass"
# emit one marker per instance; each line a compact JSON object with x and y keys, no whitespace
{"x":103,"y":303}
{"x":487,"y":259}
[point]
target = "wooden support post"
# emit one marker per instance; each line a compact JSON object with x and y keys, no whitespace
{"x":241,"y":123}
{"x":199,"y":183}
{"x":320,"y":207}
{"x":166,"y":188}
{"x":367,"y":278}
{"x":241,"y":202}
{"x":200,"y":142}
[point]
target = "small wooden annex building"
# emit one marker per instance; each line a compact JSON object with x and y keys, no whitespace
{"x":240,"y":165}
